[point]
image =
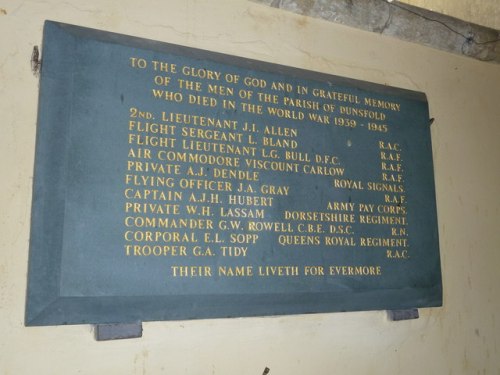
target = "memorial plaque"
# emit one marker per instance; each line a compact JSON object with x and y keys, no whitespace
{"x":175,"y":183}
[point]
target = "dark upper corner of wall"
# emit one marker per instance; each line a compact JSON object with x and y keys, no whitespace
{"x":402,"y":21}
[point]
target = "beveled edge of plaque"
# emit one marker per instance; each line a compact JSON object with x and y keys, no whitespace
{"x":239,"y":61}
{"x":114,"y":310}
{"x":48,"y":202}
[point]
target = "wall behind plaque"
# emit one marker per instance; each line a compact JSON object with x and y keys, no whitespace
{"x":460,"y":338}
{"x":481,"y":12}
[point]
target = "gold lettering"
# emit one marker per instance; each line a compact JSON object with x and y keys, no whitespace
{"x":278,"y":271}
{"x":191,"y":271}
{"x":355,"y":270}
{"x":235,"y":271}
{"x":383,"y":242}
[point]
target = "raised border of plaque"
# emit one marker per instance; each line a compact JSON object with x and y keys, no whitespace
{"x":351,"y":215}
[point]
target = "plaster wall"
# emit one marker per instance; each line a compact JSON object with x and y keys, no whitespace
{"x":481,"y":12}
{"x":463,"y":337}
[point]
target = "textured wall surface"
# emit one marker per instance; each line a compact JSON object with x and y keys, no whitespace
{"x":403,"y":21}
{"x":463,"y":337}
{"x":481,"y":12}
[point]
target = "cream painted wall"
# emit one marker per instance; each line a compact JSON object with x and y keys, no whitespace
{"x":463,"y":337}
{"x":481,"y":12}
